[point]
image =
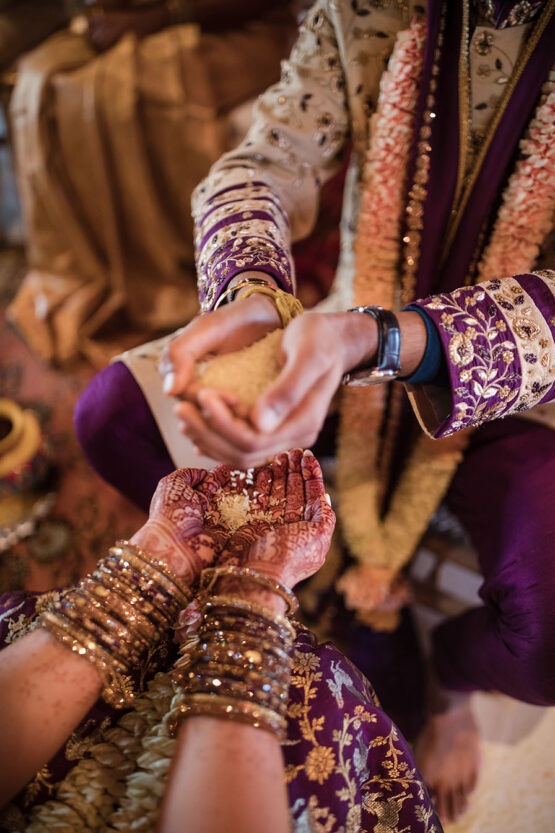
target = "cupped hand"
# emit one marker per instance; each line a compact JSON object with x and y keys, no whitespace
{"x":224,"y":330}
{"x":288,"y":536}
{"x":181,"y":530}
{"x":317,"y":349}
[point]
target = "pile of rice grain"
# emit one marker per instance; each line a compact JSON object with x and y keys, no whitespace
{"x":245,"y":373}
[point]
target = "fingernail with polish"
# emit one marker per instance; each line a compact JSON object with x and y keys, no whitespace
{"x":269,"y":419}
{"x":328,"y":498}
{"x":168,"y":383}
{"x":164,"y":367}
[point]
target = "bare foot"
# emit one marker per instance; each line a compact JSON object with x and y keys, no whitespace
{"x":448,"y":756}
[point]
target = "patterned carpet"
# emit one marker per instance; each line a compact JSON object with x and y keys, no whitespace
{"x":87,"y":515}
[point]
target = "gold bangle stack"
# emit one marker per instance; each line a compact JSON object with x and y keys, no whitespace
{"x":287,"y":305}
{"x":241,"y":665}
{"x":114,"y":616}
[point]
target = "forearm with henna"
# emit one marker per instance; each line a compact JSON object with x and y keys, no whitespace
{"x":185,"y":559}
{"x":244,"y":588}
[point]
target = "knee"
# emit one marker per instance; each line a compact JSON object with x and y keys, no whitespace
{"x":529,"y":635}
{"x":541,"y":672}
{"x":99,"y":409}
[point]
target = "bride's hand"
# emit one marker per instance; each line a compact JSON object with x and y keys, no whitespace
{"x":179,"y":531}
{"x":288,"y":536}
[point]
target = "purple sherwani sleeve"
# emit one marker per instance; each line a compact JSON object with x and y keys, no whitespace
{"x":498,"y":339}
{"x":263,"y":195}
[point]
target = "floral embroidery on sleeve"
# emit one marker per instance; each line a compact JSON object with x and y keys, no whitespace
{"x":498,"y":339}
{"x":244,"y":209}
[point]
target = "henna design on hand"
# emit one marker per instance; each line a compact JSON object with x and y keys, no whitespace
{"x":291,"y":540}
{"x":178,"y":531}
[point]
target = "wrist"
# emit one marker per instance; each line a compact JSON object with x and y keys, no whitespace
{"x":265,"y":308}
{"x":261,"y":309}
{"x":242,"y":588}
{"x":414,"y":339}
{"x":359,"y":339}
{"x":358,"y":336}
{"x":158,"y":542}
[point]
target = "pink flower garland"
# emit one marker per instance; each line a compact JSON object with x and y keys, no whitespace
{"x":391,"y":131}
{"x":369,"y":585}
{"x":526,"y":215}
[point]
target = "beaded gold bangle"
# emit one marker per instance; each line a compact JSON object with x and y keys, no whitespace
{"x":156,"y":593}
{"x":213,"y":666}
{"x":249,"y":607}
{"x":241,"y":664}
{"x":209,"y":705}
{"x":246,"y":615}
{"x":248,"y":628}
{"x":237,"y":690}
{"x":236,"y":654}
{"x":154,"y":567}
{"x":124,"y":610}
{"x":154,"y":563}
{"x":210,"y":575}
{"x":106,"y":631}
{"x":270,"y":641}
{"x":236,"y":674}
{"x":239,"y":643}
{"x":117,"y":688}
{"x":287,"y":305}
{"x":231,"y":291}
{"x":114,"y":616}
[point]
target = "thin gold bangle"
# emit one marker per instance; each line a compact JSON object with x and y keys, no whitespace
{"x":248,"y":282}
{"x":209,"y":576}
{"x":250,"y":607}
